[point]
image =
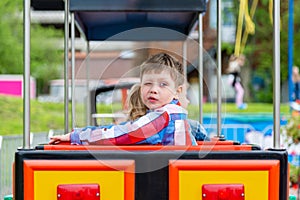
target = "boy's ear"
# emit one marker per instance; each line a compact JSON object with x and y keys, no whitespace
{"x":179,"y":91}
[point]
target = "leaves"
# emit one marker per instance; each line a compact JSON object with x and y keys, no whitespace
{"x":292,"y":128}
{"x":259,"y":47}
{"x":46,"y":58}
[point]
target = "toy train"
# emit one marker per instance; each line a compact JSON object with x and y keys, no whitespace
{"x":213,"y":170}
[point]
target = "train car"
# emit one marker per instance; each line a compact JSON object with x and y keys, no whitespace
{"x":216,"y":169}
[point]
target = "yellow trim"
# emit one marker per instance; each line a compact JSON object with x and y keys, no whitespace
{"x":256,"y":183}
{"x":111,"y":182}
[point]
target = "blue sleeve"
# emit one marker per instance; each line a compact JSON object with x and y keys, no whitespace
{"x":198,"y":130}
{"x":74,"y":137}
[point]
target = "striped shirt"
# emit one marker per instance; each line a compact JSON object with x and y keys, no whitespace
{"x":167,"y":125}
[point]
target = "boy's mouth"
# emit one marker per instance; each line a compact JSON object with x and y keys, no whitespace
{"x":152,"y":99}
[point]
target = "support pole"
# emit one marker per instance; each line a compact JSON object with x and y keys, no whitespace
{"x":219,"y":67}
{"x":73,"y":84}
{"x":88,"y":95}
{"x":26,"y":76}
{"x":276,"y":75}
{"x":66,"y":66}
{"x":200,"y":64}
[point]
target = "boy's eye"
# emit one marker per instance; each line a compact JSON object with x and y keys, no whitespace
{"x":147,"y":83}
{"x":163,"y":84}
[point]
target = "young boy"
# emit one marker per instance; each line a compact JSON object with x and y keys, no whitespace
{"x":197,"y":129}
{"x":165,"y":123}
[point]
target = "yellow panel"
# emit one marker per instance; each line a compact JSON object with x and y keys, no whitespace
{"x":256,"y":183}
{"x":111,"y":182}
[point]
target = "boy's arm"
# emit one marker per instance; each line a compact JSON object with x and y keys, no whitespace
{"x":129,"y":133}
{"x":73,"y":137}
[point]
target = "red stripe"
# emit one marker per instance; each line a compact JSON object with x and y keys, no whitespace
{"x":140,"y":134}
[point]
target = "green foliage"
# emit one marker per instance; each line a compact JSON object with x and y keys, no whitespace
{"x":44,"y":115}
{"x":46,"y":59}
{"x":292,"y":128}
{"x":291,"y":133}
{"x":294,"y":173}
{"x":296,"y":33}
{"x":259,"y":48}
{"x":10,"y":38}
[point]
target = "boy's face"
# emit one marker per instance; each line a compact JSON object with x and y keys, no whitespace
{"x":158,"y":90}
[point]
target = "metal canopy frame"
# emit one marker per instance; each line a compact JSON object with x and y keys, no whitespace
{"x":140,"y":13}
{"x":100,"y":20}
{"x":168,"y":20}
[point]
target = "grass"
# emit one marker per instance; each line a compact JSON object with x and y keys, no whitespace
{"x":45,"y":116}
{"x":230,"y":108}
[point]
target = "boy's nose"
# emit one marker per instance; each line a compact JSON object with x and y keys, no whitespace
{"x":153,"y":92}
{"x":153,"y":89}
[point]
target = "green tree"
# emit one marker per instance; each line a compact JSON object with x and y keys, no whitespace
{"x":262,"y":55}
{"x":46,"y":59}
{"x":259,"y":48}
{"x":10,"y":38}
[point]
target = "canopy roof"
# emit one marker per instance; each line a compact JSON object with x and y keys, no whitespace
{"x":136,"y":20}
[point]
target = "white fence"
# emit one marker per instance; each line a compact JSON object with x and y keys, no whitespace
{"x":8,"y":147}
{"x":244,"y":133}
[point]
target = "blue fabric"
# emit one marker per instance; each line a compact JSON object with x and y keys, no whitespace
{"x":198,"y":131}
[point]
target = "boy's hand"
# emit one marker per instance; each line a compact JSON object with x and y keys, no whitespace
{"x":60,"y":138}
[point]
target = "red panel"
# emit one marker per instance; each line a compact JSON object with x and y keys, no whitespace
{"x":203,"y":147}
{"x":78,"y":192}
{"x":273,"y":166}
{"x":223,"y":192}
{"x":128,"y":166}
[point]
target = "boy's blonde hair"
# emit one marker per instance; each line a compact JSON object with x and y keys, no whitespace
{"x":156,"y":64}
{"x":166,"y":59}
{"x":162,"y":61}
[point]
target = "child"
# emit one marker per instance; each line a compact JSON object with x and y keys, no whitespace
{"x":234,"y":69}
{"x":136,"y":108}
{"x":197,"y":129}
{"x":165,"y":123}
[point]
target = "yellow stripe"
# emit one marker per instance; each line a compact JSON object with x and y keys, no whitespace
{"x":111,"y":182}
{"x":256,"y":183}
